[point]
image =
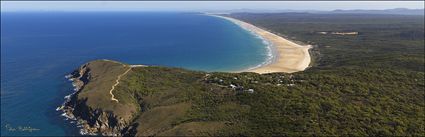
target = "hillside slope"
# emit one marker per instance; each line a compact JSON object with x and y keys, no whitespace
{"x":367,"y":84}
{"x":171,"y":101}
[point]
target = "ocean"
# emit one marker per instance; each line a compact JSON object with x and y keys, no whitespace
{"x":39,"y":48}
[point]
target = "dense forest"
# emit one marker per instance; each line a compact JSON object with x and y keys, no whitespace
{"x":383,"y":41}
{"x":366,"y":84}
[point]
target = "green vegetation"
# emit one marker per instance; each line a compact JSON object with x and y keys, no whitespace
{"x":96,"y":94}
{"x":384,"y":41}
{"x":367,"y":84}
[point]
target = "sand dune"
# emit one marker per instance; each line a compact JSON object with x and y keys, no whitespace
{"x":289,"y":57}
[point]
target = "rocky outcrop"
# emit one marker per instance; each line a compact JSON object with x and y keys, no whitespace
{"x":94,"y":121}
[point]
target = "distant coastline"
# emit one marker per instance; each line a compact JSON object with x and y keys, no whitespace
{"x":284,"y":55}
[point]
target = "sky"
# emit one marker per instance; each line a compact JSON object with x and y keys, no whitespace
{"x":202,"y":5}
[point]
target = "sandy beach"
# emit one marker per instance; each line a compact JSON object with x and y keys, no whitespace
{"x":288,"y":56}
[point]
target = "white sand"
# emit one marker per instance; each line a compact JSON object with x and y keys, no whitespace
{"x":290,"y":57}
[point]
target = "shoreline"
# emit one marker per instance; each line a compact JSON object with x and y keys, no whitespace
{"x":286,"y":56}
{"x":67,"y":107}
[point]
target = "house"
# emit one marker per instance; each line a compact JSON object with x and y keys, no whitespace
{"x":232,"y":86}
{"x":250,"y":90}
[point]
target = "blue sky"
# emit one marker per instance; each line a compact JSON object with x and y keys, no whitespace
{"x":201,"y":6}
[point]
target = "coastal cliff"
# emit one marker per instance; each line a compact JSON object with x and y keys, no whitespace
{"x":162,"y":101}
{"x":97,"y":114}
{"x":92,"y":119}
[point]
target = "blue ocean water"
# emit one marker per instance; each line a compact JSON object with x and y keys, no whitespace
{"x":39,"y":48}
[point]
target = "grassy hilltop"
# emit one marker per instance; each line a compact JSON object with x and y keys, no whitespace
{"x":366,"y":84}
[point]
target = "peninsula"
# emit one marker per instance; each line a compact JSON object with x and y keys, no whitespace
{"x":161,"y":101}
{"x":370,"y":84}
